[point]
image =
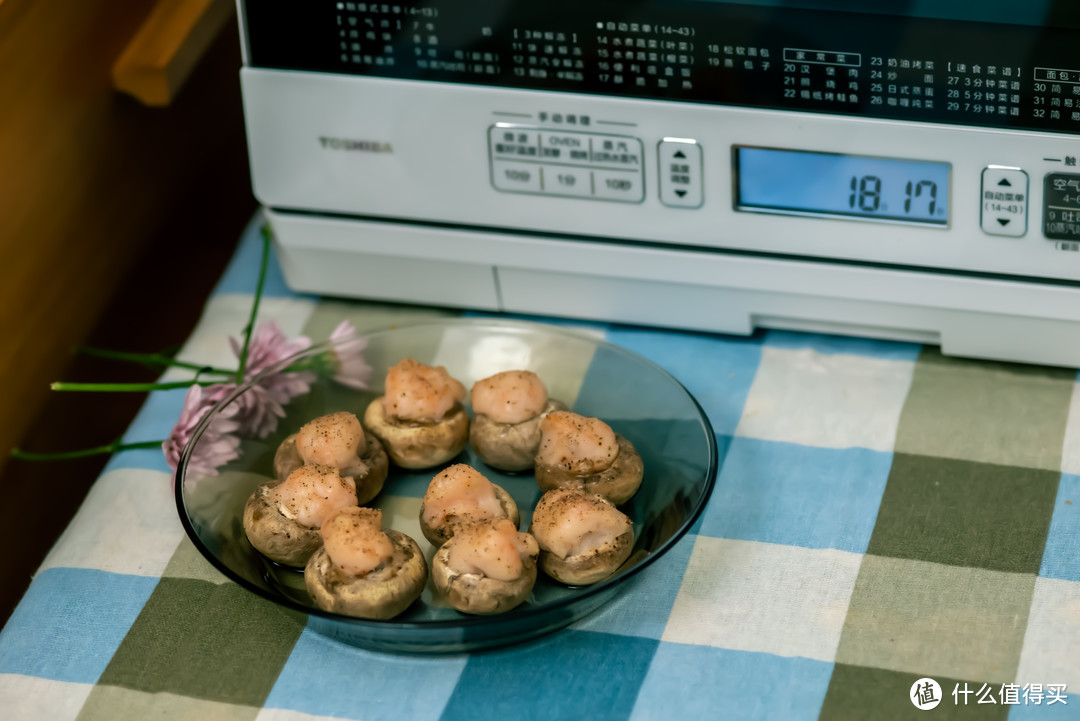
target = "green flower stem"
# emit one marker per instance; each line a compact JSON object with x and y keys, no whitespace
{"x":266,"y":238}
{"x":114,"y":447}
{"x":127,"y":387}
{"x":151,"y":359}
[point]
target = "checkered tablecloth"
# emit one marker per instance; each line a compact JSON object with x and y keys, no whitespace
{"x":882,"y":514}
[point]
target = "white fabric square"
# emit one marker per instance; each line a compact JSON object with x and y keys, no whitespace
{"x":833,"y":401}
{"x":29,"y":698}
{"x":283,"y":714}
{"x":1070,"y":452}
{"x":127,"y":524}
{"x":1052,"y":641}
{"x":764,"y":597}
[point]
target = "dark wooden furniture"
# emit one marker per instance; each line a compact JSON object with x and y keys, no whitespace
{"x":115,"y":221}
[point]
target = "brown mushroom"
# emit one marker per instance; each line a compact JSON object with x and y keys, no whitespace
{"x":583,"y":537}
{"x":340,"y":440}
{"x":419,"y":419}
{"x":458,"y":496}
{"x":362,"y":570}
{"x":507,"y":410}
{"x":582,"y":452}
{"x":282,"y":518}
{"x":488,"y":567}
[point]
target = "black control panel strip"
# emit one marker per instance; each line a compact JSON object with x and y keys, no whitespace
{"x":963,"y":72}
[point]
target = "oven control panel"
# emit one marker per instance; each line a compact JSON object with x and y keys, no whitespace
{"x":612,"y":167}
{"x":595,"y":166}
{"x":793,"y":185}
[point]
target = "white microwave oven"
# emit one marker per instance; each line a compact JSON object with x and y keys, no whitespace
{"x":701,"y":164}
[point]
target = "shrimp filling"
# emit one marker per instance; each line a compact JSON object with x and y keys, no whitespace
{"x":355,"y":542}
{"x":312,"y":493}
{"x":332,"y":440}
{"x":460,"y":494}
{"x":495,"y":550}
{"x":421,"y":393}
{"x":510,"y":397}
{"x":575,"y":443}
{"x":571,"y":523}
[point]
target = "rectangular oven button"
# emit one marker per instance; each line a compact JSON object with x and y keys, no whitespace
{"x":513,"y":143}
{"x":615,"y":151}
{"x":565,"y":180}
{"x":1061,"y":206}
{"x":1004,"y":201}
{"x":516,"y":177}
{"x":572,"y":148}
{"x":622,"y":185}
{"x":680,"y":167}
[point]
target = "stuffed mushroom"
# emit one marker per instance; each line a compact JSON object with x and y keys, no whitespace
{"x":420,"y":419}
{"x":488,"y":567}
{"x":458,"y":497}
{"x":282,"y":518}
{"x":584,"y":453}
{"x":507,"y":410}
{"x":362,"y":570}
{"x":338,"y":440}
{"x":583,"y":537}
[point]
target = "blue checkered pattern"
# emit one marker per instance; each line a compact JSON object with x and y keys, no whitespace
{"x":742,"y":619}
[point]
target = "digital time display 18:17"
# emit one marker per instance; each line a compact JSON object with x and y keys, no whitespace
{"x":798,"y":182}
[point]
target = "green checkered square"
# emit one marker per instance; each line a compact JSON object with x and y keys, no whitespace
{"x":936,"y":620}
{"x":857,"y":693}
{"x":965,"y":514}
{"x":205,"y":640}
{"x":987,"y":412}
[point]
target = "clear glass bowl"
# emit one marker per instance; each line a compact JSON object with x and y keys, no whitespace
{"x":636,"y":397}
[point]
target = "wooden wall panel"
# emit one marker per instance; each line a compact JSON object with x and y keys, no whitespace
{"x":88,"y":178}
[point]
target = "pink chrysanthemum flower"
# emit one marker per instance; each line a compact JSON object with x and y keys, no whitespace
{"x":257,"y":412}
{"x":269,"y":346}
{"x":347,"y":357}
{"x":218,"y":445}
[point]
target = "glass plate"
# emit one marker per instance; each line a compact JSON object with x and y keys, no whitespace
{"x":595,"y":378}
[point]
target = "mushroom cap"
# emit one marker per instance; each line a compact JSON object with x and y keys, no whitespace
{"x":416,"y":445}
{"x":617,"y":483}
{"x":273,"y":534}
{"x":369,"y":473}
{"x":477,"y":593}
{"x":379,"y":594}
{"x":596,"y":562}
{"x":419,"y":392}
{"x":512,"y":396}
{"x":441,"y":533}
{"x":334,"y":439}
{"x":509,"y":446}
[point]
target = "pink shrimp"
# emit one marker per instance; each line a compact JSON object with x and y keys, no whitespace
{"x":312,"y":493}
{"x":510,"y":396}
{"x":493,"y":549}
{"x":578,"y":444}
{"x":573,"y":523}
{"x":335,"y":440}
{"x":417,"y":392}
{"x":460,"y":493}
{"x":354,"y":540}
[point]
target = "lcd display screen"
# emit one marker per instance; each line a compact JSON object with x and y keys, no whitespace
{"x":797,"y":182}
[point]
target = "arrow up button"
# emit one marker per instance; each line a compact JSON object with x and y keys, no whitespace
{"x":681,"y":169}
{"x":1004,"y":201}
